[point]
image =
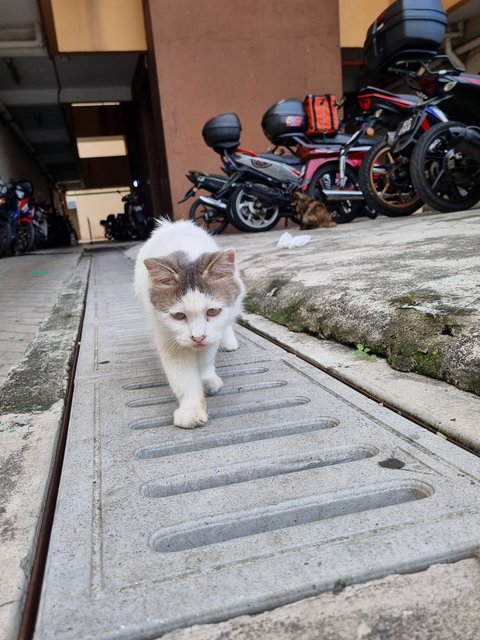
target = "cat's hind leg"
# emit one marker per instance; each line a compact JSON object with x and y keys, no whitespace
{"x":229,"y":341}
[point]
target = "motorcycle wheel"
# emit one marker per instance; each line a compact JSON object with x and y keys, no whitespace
{"x":210,"y":219}
{"x":5,"y":236}
{"x":326,"y":177}
{"x":386,"y":183}
{"x":446,"y":180}
{"x":250,"y":213}
{"x":25,"y":237}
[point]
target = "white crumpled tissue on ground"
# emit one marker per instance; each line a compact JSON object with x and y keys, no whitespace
{"x":287,"y":241}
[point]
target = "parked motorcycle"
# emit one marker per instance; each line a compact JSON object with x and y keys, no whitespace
{"x":263,"y":183}
{"x":209,"y":212}
{"x":40,"y":224}
{"x":384,"y":175}
{"x":133,"y":223}
{"x":5,"y":225}
{"x":403,"y":35}
{"x":332,"y":158}
{"x":119,"y":227}
{"x":17,"y":208}
{"x":136,"y":218}
{"x":109,"y":226}
{"x":446,"y":162}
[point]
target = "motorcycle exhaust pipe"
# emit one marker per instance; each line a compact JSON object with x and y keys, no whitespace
{"x":467,"y":140}
{"x":216,"y":204}
{"x":267,"y":194}
{"x":340,"y":194}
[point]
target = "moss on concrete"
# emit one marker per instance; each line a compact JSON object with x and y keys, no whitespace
{"x":418,"y":332}
{"x":41,"y":378}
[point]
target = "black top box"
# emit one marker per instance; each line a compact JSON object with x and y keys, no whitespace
{"x":284,"y":120}
{"x":407,"y":29}
{"x":222,"y":132}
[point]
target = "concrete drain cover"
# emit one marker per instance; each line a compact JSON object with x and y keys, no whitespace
{"x":296,"y":485}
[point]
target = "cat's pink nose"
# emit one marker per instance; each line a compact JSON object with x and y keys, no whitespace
{"x":198,"y":338}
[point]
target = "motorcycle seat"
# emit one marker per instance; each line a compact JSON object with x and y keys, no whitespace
{"x":286,"y":159}
{"x":339,"y":139}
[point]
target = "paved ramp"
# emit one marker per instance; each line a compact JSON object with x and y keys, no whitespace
{"x":296,"y":485}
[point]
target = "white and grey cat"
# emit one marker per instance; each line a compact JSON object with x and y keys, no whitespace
{"x":192,"y":293}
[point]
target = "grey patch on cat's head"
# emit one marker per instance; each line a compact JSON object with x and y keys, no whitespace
{"x":173,"y":275}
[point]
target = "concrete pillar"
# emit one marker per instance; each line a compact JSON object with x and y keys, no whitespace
{"x":214,"y":56}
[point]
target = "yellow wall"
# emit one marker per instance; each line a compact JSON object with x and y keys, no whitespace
{"x":355,"y":18}
{"x":357,"y":15}
{"x":93,"y":206}
{"x":99,"y":25}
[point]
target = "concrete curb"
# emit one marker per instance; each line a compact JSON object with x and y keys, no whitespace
{"x":32,"y":403}
{"x":446,"y":410}
{"x":405,"y":288}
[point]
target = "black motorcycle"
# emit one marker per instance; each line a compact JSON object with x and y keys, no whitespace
{"x":209,"y":212}
{"x":446,"y":162}
{"x":385,"y":175}
{"x":135,"y":221}
{"x":5,"y":226}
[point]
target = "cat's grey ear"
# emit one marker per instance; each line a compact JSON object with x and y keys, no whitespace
{"x":160,"y":273}
{"x":222,"y":264}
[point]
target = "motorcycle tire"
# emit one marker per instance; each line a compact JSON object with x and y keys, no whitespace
{"x":386,"y":184}
{"x":326,"y":177}
{"x":25,"y":237}
{"x":250,"y":213}
{"x":446,"y":182}
{"x":212,"y":220}
{"x":5,"y":236}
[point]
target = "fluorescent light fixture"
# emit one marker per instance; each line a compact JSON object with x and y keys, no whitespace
{"x":95,"y":104}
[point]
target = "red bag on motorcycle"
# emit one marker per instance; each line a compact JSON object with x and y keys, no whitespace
{"x":322,"y":114}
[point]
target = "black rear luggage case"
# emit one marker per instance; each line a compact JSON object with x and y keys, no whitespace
{"x":406,"y":29}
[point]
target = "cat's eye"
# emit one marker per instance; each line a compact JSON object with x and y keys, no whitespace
{"x":179,"y":315}
{"x":213,"y":312}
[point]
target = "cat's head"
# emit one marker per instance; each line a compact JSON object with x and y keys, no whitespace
{"x":195,"y":300}
{"x":300,"y":199}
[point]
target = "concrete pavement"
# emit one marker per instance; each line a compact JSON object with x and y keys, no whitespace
{"x":406,"y":288}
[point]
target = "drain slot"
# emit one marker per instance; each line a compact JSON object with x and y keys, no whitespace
{"x":224,"y":391}
{"x":225,"y":412}
{"x":240,"y":371}
{"x":212,"y":441}
{"x":244,"y":472}
{"x":221,"y":529}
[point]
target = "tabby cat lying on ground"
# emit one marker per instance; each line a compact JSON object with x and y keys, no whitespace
{"x":312,"y":212}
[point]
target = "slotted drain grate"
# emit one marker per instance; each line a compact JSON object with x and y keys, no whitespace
{"x":296,"y":482}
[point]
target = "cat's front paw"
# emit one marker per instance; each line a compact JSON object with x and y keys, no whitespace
{"x":190,"y":417}
{"x":212,"y":385}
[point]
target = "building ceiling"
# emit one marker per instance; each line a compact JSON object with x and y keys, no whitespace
{"x":36,"y":88}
